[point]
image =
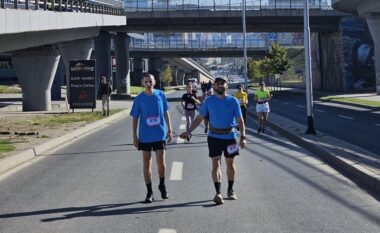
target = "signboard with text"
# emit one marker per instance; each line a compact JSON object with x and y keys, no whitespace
{"x":82,"y":84}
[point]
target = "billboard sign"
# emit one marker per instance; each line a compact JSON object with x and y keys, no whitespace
{"x":82,"y":85}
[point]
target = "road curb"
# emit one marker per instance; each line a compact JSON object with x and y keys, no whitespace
{"x":354,"y":170}
{"x":13,"y":161}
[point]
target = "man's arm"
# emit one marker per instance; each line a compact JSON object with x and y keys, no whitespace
{"x":168,"y":123}
{"x":134,"y":132}
{"x":241,"y":124}
{"x":193,"y":126}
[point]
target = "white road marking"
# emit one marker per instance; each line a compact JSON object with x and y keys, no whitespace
{"x":179,"y":140}
{"x":285,"y":102}
{"x":176,"y":172}
{"x":378,"y":125}
{"x":183,"y":118}
{"x":319,"y":110}
{"x":342,"y":106}
{"x":346,"y":117}
{"x":301,"y":106}
{"x":378,"y":112}
{"x":182,"y":126}
{"x":164,"y":230}
{"x":275,"y":100}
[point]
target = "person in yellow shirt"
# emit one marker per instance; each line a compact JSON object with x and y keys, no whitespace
{"x":242,"y":96}
{"x":262,"y":97}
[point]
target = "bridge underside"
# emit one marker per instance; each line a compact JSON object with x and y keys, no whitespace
{"x":197,"y":53}
{"x":271,"y":21}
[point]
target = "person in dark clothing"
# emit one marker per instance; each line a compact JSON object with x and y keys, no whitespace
{"x":189,"y":102}
{"x":104,"y":93}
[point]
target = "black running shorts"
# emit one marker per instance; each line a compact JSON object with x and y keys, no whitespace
{"x":216,"y":146}
{"x":159,"y":145}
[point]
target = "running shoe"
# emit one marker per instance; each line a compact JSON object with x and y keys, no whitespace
{"x":164,"y":193}
{"x":206,"y":129}
{"x":218,"y":199}
{"x":149,"y":198}
{"x":231,"y":195}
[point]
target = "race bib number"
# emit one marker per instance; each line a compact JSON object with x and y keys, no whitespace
{"x":153,"y":121}
{"x":231,"y":149}
{"x":190,"y":106}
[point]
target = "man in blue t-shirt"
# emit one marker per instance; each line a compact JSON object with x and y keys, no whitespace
{"x":224,"y":112}
{"x":150,"y":112}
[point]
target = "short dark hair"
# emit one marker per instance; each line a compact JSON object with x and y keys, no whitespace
{"x":147,"y":75}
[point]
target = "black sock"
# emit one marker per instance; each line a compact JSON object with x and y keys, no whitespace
{"x":162,"y":181}
{"x":230,"y":184}
{"x":149,"y":188}
{"x":217,"y":187}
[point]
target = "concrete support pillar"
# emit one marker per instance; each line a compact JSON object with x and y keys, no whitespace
{"x":155,"y":65}
{"x":35,"y":70}
{"x":373,"y":21}
{"x":59,"y":80}
{"x":175,"y":75}
{"x":121,"y":41}
{"x":138,"y":65}
{"x":74,"y":50}
{"x":181,"y":77}
{"x":103,"y":56}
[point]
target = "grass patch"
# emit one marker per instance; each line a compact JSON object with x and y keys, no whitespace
{"x":5,"y":146}
{"x":363,"y":102}
{"x":63,"y":118}
{"x":9,"y":89}
{"x":136,"y":89}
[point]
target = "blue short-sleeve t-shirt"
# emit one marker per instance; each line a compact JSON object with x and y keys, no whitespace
{"x":222,"y":114}
{"x":150,"y":110}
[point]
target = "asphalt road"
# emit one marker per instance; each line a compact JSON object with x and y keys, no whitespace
{"x":96,"y":185}
{"x":357,"y":125}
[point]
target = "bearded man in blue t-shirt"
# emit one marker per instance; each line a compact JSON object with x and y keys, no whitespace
{"x":150,"y":113}
{"x":224,"y":112}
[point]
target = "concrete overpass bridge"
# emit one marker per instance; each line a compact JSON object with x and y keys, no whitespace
{"x":38,"y":34}
{"x":226,"y":16}
{"x":370,"y":11}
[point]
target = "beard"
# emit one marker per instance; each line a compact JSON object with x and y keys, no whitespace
{"x":220,"y":90}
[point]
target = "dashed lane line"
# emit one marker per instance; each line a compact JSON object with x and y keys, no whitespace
{"x":165,"y":230}
{"x":183,"y":118}
{"x":301,"y":106}
{"x":346,"y":117}
{"x":378,"y":125}
{"x":176,"y":172}
{"x":318,"y":110}
{"x":182,"y":126}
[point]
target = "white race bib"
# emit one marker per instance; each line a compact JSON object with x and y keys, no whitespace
{"x":231,"y":149}
{"x":153,"y":121}
{"x":190,"y":106}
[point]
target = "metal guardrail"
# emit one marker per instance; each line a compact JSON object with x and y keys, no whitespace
{"x":221,"y":5}
{"x":84,"y":6}
{"x":166,"y":43}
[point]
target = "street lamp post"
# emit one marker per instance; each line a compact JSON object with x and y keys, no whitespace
{"x":308,"y":74}
{"x":245,"y":72}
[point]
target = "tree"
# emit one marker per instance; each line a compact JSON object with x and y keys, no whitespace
{"x":167,"y":76}
{"x":254,"y":69}
{"x":279,"y":61}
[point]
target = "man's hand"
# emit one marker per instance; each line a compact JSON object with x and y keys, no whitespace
{"x":136,"y":142}
{"x":184,"y":135}
{"x":242,"y":143}
{"x":169,"y":136}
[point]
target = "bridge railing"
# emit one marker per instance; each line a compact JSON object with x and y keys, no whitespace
{"x":109,"y":7}
{"x":220,"y":5}
{"x":174,"y":43}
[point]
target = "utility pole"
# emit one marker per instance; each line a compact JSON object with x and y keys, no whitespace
{"x":308,"y":74}
{"x":245,"y":72}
